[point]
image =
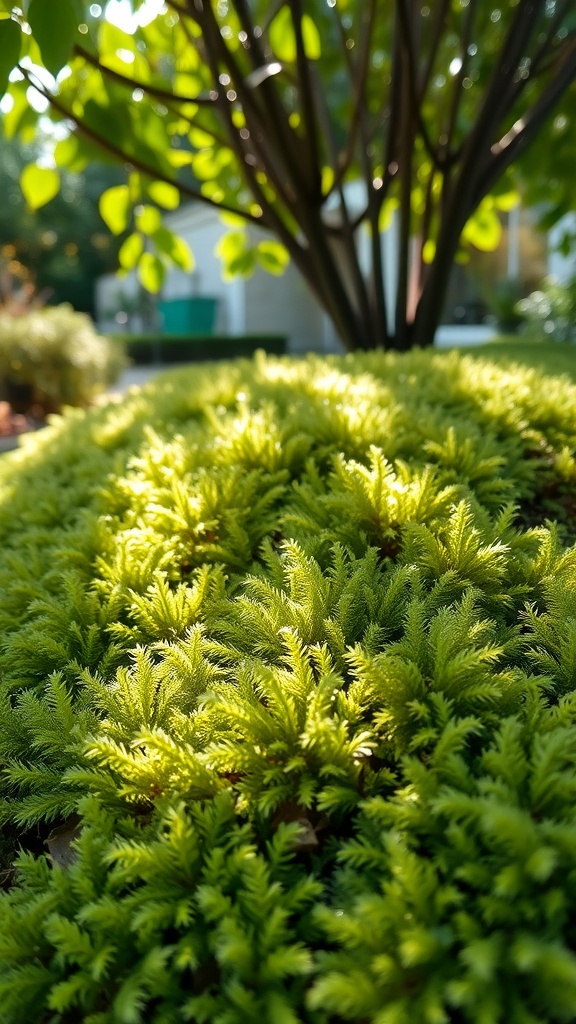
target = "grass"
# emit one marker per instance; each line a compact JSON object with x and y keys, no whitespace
{"x":550,"y":357}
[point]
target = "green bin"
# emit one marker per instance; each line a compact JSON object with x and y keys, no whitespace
{"x":195,"y":315}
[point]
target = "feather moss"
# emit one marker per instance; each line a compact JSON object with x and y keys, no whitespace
{"x":288,"y":699}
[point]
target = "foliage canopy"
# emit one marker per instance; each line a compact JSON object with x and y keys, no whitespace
{"x":271,"y":112}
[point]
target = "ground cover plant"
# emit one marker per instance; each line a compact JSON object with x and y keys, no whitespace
{"x":288,"y":699}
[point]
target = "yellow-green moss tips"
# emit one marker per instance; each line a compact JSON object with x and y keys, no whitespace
{"x":288,"y":699}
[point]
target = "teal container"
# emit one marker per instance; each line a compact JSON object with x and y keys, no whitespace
{"x":195,"y":315}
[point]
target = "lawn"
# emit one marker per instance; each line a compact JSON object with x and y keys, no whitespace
{"x":548,"y":356}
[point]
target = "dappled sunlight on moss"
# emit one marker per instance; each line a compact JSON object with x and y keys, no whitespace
{"x":288,"y":647}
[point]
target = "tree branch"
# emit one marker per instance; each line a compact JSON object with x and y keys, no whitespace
{"x":474,"y":180}
{"x":390,"y":154}
{"x":251,"y":152}
{"x":315,"y":259}
{"x":357,"y":74}
{"x":506,"y":150}
{"x":165,"y":95}
{"x":406,"y":152}
{"x":417,"y":276}
{"x":497,"y":97}
{"x":411,"y":83}
{"x":459,"y":79}
{"x":442,"y":10}
{"x":128,"y":158}
{"x":277,"y":127}
{"x":307,"y":100}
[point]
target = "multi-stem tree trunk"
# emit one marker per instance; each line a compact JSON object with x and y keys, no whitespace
{"x":390,"y":146}
{"x":467,"y":167}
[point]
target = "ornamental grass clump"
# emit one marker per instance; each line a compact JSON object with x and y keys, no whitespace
{"x":288,"y":699}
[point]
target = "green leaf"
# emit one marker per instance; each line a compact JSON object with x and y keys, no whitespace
{"x":180,"y":157}
{"x":79,"y":9}
{"x":175,"y":248}
{"x":189,"y":85}
{"x":200,"y":138}
{"x":112,"y":117}
{"x":242,"y":265}
{"x":64,"y":994}
{"x":71,"y":154}
{"x":10,"y":47}
{"x":39,"y":185}
{"x":21,"y":116}
{"x":75,"y":153}
{"x":115,"y":208}
{"x":205,"y":165}
{"x":111,"y":122}
{"x":387,"y":214}
{"x":232,"y":220}
{"x":237,"y":257}
{"x":111,"y":38}
{"x":327,"y":180}
{"x":167,"y":196}
{"x":283,"y":37}
{"x":232,"y":243}
{"x":429,"y":251}
{"x":151,"y":272}
{"x":311,"y":36}
{"x":54,"y":27}
{"x":484,"y":229}
{"x":273,"y":257}
{"x":507,"y":201}
{"x":150,"y":141}
{"x":131,"y":251}
{"x":148,"y":219}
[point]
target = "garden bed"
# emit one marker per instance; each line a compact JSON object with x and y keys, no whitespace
{"x":12,"y":425}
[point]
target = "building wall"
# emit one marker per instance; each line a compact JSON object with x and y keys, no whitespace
{"x":200,"y":227}
{"x":260,"y":304}
{"x":284,"y":305}
{"x":114,"y":300}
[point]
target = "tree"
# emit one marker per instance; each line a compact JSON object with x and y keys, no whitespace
{"x":269,"y":111}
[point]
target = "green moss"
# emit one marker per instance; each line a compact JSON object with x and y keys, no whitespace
{"x":288,"y":699}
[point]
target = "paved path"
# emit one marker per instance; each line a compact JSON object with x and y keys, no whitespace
{"x":135,"y":375}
